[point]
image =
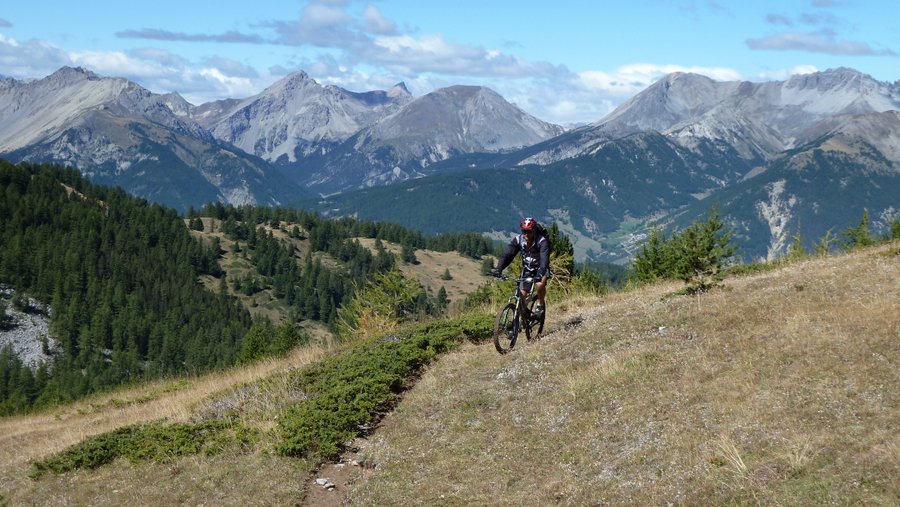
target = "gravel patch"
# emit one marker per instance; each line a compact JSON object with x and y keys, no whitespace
{"x":24,"y":333}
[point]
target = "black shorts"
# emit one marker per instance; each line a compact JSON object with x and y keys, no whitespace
{"x":528,"y":273}
{"x":526,"y":286}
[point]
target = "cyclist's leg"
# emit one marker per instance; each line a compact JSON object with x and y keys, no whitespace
{"x":525,"y":288}
{"x":541,"y":288}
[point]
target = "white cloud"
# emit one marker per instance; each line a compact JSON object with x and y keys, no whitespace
{"x":119,"y":63}
{"x":7,"y":41}
{"x":822,"y":41}
{"x":322,"y":25}
{"x":783,"y":74}
{"x":229,"y":86}
{"x":161,"y":71}
{"x":32,"y":58}
{"x":631,"y":79}
{"x":375,"y":22}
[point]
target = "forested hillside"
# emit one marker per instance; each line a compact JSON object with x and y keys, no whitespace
{"x":118,"y":279}
{"x":311,"y":264}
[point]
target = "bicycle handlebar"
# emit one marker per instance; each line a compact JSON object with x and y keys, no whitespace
{"x":517,"y":280}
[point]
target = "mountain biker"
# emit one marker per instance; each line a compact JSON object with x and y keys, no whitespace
{"x":534,"y":245}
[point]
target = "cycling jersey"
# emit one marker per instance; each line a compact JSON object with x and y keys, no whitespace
{"x":535,"y":257}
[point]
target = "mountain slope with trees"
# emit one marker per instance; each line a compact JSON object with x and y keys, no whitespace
{"x":133,"y":291}
{"x":120,"y":276}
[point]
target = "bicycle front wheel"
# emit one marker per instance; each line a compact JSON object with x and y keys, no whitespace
{"x":505,"y":329}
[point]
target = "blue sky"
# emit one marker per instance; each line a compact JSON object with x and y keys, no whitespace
{"x":565,"y":61}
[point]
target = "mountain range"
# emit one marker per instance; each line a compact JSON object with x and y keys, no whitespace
{"x":119,"y":133}
{"x":801,"y":156}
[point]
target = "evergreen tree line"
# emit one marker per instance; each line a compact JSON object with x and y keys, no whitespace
{"x":323,"y":232}
{"x":120,"y":276}
{"x":698,"y":254}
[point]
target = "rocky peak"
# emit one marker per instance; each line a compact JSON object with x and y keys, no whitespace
{"x":177,"y":104}
{"x":399,"y":90}
{"x":675,"y":98}
{"x":72,"y":74}
{"x":296,"y":78}
{"x":832,"y":79}
{"x":297,"y":116}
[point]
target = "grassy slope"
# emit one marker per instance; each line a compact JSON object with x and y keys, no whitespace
{"x":781,"y":388}
{"x":229,"y":479}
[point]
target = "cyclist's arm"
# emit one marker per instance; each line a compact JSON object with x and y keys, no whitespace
{"x":508,"y":257}
{"x":544,"y":264}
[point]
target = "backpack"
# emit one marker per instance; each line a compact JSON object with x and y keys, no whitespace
{"x":539,"y":231}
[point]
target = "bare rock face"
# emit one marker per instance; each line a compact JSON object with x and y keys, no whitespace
{"x":436,"y":127}
{"x":296,"y":117}
{"x":27,"y":333}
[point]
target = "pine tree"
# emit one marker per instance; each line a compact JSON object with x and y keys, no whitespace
{"x":408,"y":254}
{"x":654,"y":261}
{"x":442,"y":301}
{"x":796,"y":251}
{"x":858,"y":236}
{"x":256,"y":342}
{"x":823,"y":246}
{"x":379,"y":306}
{"x":702,"y":251}
{"x":696,"y":255}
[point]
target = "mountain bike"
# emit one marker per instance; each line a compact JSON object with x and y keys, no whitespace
{"x":517,"y":316}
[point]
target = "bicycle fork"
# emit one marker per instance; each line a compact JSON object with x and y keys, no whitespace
{"x":516,"y":327}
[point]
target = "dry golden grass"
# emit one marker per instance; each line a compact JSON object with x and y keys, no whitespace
{"x":27,"y":438}
{"x":780,"y":388}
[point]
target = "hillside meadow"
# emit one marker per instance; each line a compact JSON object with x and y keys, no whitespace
{"x":779,"y":387}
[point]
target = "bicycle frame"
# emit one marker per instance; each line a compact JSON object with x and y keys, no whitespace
{"x":516,"y":316}
{"x":520,"y":299}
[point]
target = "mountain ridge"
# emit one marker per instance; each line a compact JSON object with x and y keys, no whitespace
{"x":168,"y":150}
{"x":731,"y":132}
{"x":122,"y":134}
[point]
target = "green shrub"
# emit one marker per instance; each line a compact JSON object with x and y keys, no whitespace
{"x":146,"y":442}
{"x":348,"y":391}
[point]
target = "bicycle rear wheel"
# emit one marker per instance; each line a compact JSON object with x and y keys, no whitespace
{"x":533,"y":326}
{"x":505,"y":329}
